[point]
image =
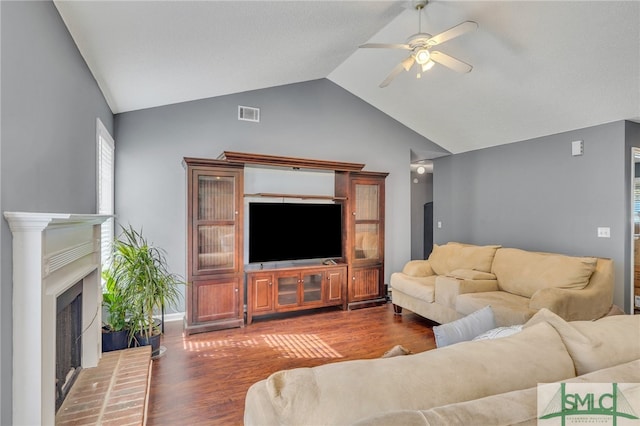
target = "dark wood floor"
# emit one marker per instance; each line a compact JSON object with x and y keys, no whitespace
{"x":203,"y":379}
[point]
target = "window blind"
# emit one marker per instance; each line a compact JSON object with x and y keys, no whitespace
{"x":106,"y":189}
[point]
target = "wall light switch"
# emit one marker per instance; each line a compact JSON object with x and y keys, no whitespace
{"x":604,"y":232}
{"x":439,"y":224}
{"x":576,"y":148}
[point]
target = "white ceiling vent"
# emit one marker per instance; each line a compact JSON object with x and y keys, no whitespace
{"x":246,"y":113}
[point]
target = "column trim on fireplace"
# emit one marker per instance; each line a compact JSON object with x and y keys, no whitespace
{"x":36,"y":238}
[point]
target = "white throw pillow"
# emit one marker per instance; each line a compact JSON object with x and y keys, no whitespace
{"x":499,"y":332}
{"x":465,"y":328}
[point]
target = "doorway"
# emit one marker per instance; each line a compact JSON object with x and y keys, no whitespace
{"x":421,"y":195}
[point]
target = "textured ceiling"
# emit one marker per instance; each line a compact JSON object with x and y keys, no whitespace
{"x":539,"y":67}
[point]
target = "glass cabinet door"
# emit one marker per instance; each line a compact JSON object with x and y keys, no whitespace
{"x":312,"y":287}
{"x":216,"y":222}
{"x":287,"y":290}
{"x":367,"y":221}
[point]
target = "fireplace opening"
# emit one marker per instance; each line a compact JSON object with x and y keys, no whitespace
{"x":68,"y":340}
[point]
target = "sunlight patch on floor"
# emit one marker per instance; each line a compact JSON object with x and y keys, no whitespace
{"x":300,"y":346}
{"x":218,"y":347}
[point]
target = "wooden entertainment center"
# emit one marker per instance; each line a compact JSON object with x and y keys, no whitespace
{"x":215,"y":245}
{"x":295,"y":288}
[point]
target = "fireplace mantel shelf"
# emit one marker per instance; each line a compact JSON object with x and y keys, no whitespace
{"x":29,"y":220}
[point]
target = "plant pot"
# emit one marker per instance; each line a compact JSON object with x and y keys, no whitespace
{"x":154,"y":341}
{"x":114,"y":340}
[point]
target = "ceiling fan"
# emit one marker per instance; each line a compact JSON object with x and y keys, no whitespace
{"x":420,"y":45}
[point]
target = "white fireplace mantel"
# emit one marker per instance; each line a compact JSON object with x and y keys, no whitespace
{"x":51,"y":253}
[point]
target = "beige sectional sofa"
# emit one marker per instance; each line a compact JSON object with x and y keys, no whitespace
{"x":458,"y":279}
{"x":473,"y":382}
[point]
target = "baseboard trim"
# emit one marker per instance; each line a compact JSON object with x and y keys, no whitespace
{"x":174,"y":316}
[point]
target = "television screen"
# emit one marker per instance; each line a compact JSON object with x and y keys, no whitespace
{"x":294,"y":231}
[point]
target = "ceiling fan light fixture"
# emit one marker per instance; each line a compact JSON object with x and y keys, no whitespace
{"x":428,"y":65}
{"x":422,"y":56}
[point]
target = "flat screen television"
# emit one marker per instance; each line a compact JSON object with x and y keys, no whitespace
{"x":294,"y":231}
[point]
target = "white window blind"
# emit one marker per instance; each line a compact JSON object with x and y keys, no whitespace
{"x":636,"y":196}
{"x":106,"y":188}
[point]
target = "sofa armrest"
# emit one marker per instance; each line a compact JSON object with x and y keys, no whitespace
{"x":592,"y":302}
{"x":418,"y":268}
{"x":571,"y":304}
{"x":447,"y":288}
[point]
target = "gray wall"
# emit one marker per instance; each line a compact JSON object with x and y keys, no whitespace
{"x":315,"y":119}
{"x":535,"y":195}
{"x":49,"y":106}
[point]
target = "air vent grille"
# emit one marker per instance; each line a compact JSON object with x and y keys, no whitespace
{"x":246,"y":113}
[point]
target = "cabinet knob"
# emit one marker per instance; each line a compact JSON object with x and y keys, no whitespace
{"x":236,"y":290}
{"x":270,"y":283}
{"x":353,"y":278}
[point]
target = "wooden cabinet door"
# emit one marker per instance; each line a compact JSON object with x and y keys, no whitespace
{"x":334,"y":282}
{"x":287,"y":289}
{"x":367,"y":220}
{"x":365,"y":284}
{"x":216,"y":221}
{"x":261,"y":287}
{"x":215,"y":299}
{"x":311,"y":286}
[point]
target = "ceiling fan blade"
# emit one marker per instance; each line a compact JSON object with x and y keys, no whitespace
{"x":450,"y":62}
{"x":408,"y":63}
{"x":385,"y":46}
{"x":454,"y":32}
{"x":394,"y":72}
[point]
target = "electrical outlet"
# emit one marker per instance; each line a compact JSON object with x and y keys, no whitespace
{"x":439,"y":224}
{"x":604,"y":232}
{"x":577,"y":148}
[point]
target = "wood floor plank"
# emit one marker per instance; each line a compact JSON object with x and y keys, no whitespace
{"x":202,"y":379}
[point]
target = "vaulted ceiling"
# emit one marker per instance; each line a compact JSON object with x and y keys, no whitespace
{"x":539,"y":67}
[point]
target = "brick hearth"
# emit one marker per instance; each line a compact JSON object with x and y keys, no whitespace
{"x":115,"y":392}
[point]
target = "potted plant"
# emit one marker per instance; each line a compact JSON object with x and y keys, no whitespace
{"x":140,"y":273}
{"x":115,"y":333}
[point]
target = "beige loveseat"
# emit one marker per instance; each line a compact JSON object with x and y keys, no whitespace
{"x":481,"y":382}
{"x":458,"y":279}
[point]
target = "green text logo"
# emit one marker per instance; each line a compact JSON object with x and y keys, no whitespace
{"x":586,"y":403}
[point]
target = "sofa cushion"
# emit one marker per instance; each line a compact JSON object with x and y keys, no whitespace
{"x":417,"y":268}
{"x":524,"y":272}
{"x":421,"y":288}
{"x":465,"y":328}
{"x":344,"y":392}
{"x":508,"y":309}
{"x":451,"y":256}
{"x":471,"y":274}
{"x":596,"y":344}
